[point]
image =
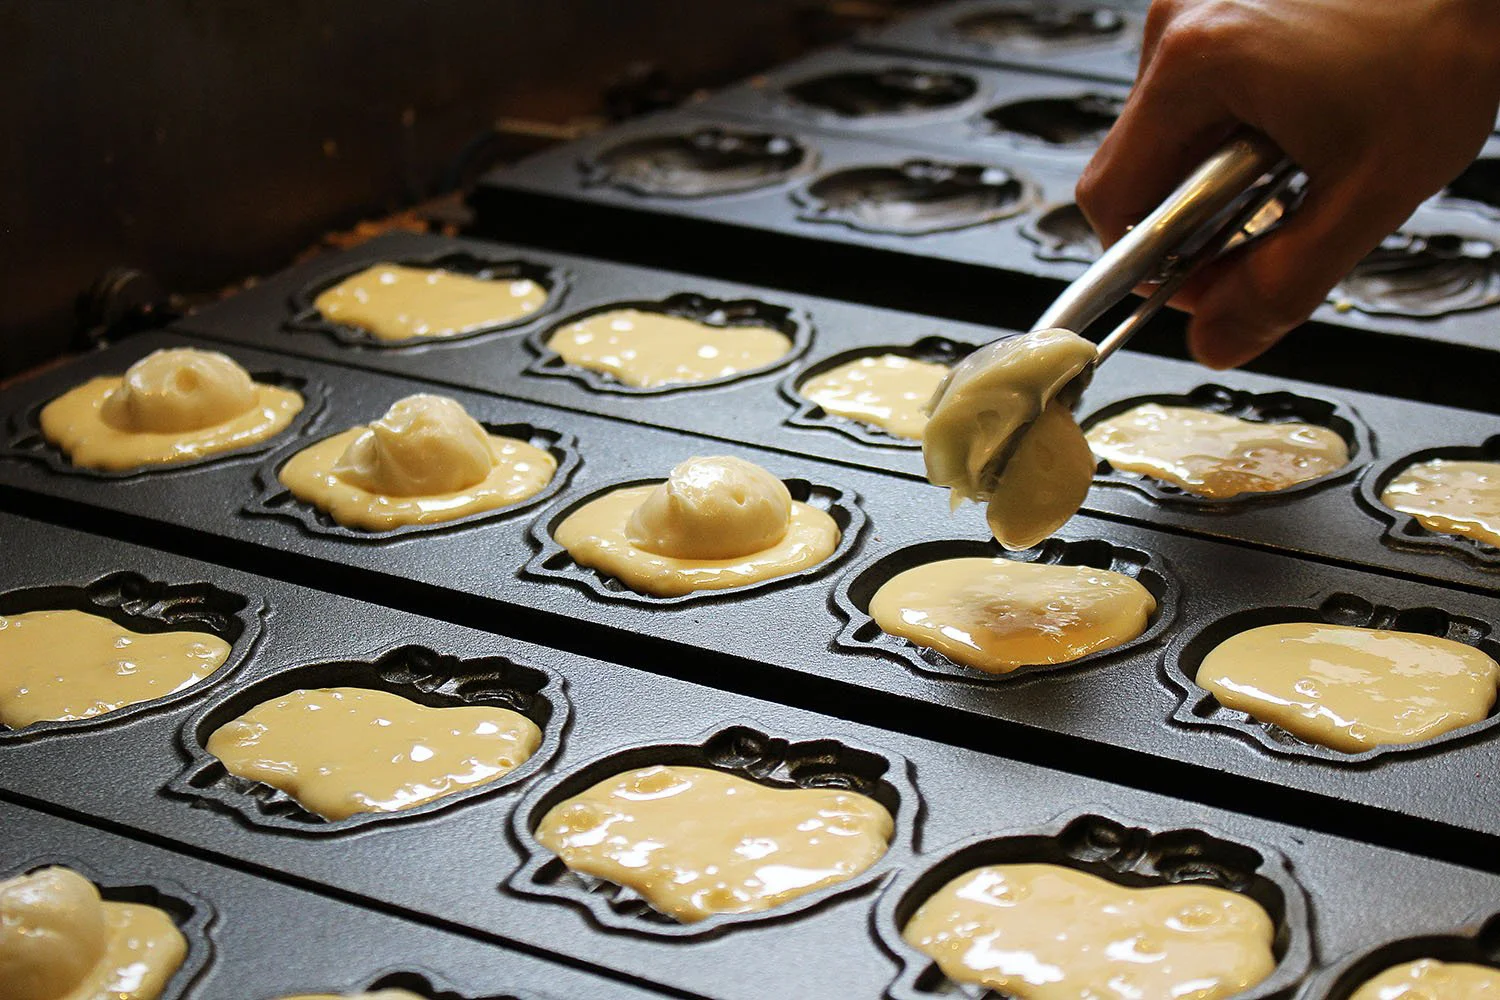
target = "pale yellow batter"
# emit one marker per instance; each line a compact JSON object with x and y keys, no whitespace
{"x":1003,"y":397}
{"x":1351,"y":688}
{"x":1451,"y":497}
{"x":347,"y":750}
{"x":1045,"y":932}
{"x":714,"y":523}
{"x":1429,"y":979}
{"x":425,"y":462}
{"x":60,"y":941}
{"x":173,"y":405}
{"x":996,"y":615}
{"x":648,"y":349}
{"x":1215,"y":455}
{"x":377,"y":995}
{"x":695,"y":842}
{"x":391,"y":302}
{"x":65,"y":665}
{"x":887,"y":391}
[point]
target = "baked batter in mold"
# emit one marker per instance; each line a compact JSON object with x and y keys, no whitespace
{"x":897,"y":90}
{"x":1046,"y":932}
{"x":173,"y":405}
{"x":1348,"y":688}
{"x":393,"y":302}
{"x":1450,"y":497}
{"x":701,"y":163}
{"x":649,"y":349}
{"x":425,"y":462}
{"x":59,"y":940}
{"x":347,"y":750}
{"x":66,"y":665}
{"x":916,"y":197}
{"x":694,"y":841}
{"x":888,"y":391}
{"x":1430,"y":979}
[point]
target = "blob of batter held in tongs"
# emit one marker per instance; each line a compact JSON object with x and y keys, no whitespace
{"x":1002,"y":429}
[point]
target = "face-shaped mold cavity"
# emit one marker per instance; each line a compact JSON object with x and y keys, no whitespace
{"x":855,"y":594}
{"x":1063,"y":234}
{"x":1129,"y":857}
{"x":1187,"y":653}
{"x":414,"y":673}
{"x":701,"y":163}
{"x":404,"y":985}
{"x":1026,"y":24}
{"x":1477,"y":189}
{"x":1475,"y":949}
{"x":1057,"y":121}
{"x":916,"y":197}
{"x":894,"y":91}
{"x":1423,"y":277}
{"x":1454,"y":489}
{"x":743,"y":752}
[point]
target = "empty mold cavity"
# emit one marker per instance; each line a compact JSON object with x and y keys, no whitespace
{"x":898,"y":90}
{"x":272,"y":499}
{"x":1199,"y":709}
{"x":700,"y":163}
{"x":938,"y":350}
{"x":552,"y":561}
{"x":915,"y":197}
{"x":745,"y":751}
{"x":721,"y":313}
{"x":1404,"y":531}
{"x":1063,"y":233}
{"x":1265,"y":407}
{"x":424,"y":984}
{"x":306,"y":318}
{"x":1028,"y":24}
{"x":1126,"y":855}
{"x":1476,"y":944}
{"x":1422,"y":277}
{"x":149,"y":606}
{"x":861,"y":634}
{"x":415,"y":673}
{"x":1057,"y":121}
{"x":1477,"y":189}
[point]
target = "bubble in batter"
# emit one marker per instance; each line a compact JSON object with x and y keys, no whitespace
{"x":425,"y":462}
{"x":997,"y":615}
{"x":694,"y":841}
{"x":65,"y":665}
{"x":392,"y":302}
{"x":173,"y":405}
{"x":347,"y":750}
{"x":1430,"y":979}
{"x":714,"y":523}
{"x":649,"y":349}
{"x":888,"y":391}
{"x":1215,"y":455}
{"x":60,"y":941}
{"x":1450,"y":497}
{"x":1351,"y":688}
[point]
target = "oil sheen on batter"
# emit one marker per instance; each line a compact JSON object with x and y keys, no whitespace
{"x":1429,"y":979}
{"x":714,"y":523}
{"x":65,"y":665}
{"x":996,"y":615}
{"x":60,"y":941}
{"x":1351,"y":688}
{"x":1009,"y":404}
{"x":346,"y":750}
{"x":173,"y":405}
{"x":1215,"y":455}
{"x":392,"y":302}
{"x":425,"y":462}
{"x":887,"y":391}
{"x":649,"y":349}
{"x":1451,"y":497}
{"x":694,"y":841}
{"x":1045,"y":932}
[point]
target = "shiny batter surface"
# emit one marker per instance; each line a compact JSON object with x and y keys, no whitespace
{"x":1451,"y":497}
{"x":60,"y":941}
{"x":1045,"y":932}
{"x":425,"y":462}
{"x":392,"y":302}
{"x":173,"y":405}
{"x":695,"y":841}
{"x":1215,"y":455}
{"x":1351,"y":688}
{"x":716,"y":522}
{"x":1429,"y":979}
{"x":887,"y":391}
{"x":647,"y":349}
{"x":996,"y":615}
{"x":64,"y":665}
{"x":346,"y":750}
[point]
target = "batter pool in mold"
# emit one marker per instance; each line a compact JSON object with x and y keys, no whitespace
{"x":1428,"y":978}
{"x":393,"y":302}
{"x":886,"y":391}
{"x":649,"y":350}
{"x":1450,"y":497}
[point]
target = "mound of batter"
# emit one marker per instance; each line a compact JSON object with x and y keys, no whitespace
{"x":1429,"y":979}
{"x":888,"y":391}
{"x":392,"y":302}
{"x":650,"y":349}
{"x":1450,"y":497}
